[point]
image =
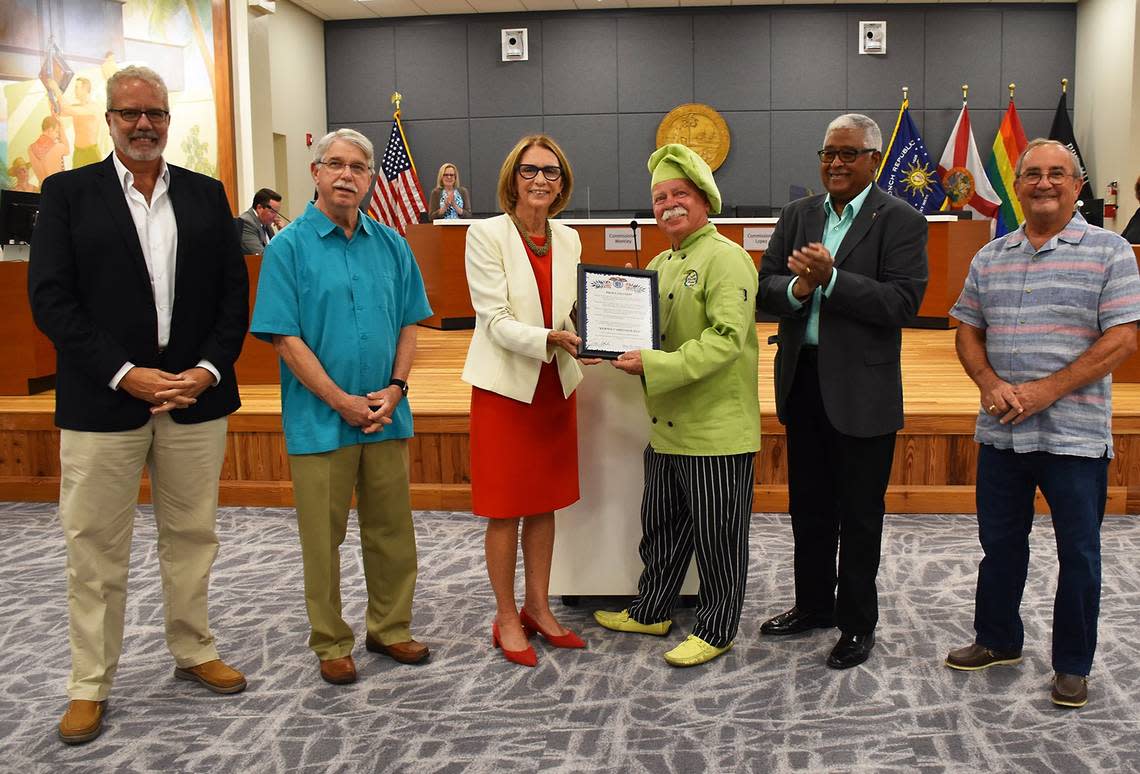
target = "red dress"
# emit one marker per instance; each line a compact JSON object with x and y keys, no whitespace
{"x":524,"y":456}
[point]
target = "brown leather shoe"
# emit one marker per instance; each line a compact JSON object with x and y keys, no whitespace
{"x":82,"y":722}
{"x":1070,"y":690}
{"x":974,"y":657}
{"x":215,"y":675}
{"x":410,"y":652}
{"x":339,"y":671}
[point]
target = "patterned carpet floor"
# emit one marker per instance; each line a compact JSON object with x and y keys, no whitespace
{"x":770,"y":705}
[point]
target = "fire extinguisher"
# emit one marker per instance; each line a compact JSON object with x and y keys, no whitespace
{"x":1110,"y":201}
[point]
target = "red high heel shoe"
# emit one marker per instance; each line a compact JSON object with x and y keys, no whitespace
{"x":567,"y":640}
{"x":523,"y":657}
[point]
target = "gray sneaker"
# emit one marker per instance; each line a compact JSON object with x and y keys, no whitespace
{"x":1070,"y":690}
{"x":974,"y":657}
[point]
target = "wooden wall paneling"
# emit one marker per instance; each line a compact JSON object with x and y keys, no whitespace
{"x":224,"y":100}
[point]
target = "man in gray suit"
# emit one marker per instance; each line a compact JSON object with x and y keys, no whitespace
{"x":844,"y":272}
{"x":258,"y":223}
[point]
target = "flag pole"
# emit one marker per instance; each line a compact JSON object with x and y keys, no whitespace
{"x":396,"y":99}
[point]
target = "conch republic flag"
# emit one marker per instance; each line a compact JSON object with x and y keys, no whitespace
{"x":907,"y":171}
{"x":962,"y":174}
{"x":1008,"y":144}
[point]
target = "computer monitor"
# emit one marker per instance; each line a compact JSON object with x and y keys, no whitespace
{"x":18,"y":211}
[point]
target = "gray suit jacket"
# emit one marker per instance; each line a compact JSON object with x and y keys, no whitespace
{"x":252,"y":235}
{"x":882,"y":278}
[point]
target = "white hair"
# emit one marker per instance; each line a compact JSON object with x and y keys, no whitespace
{"x":1074,"y":162}
{"x":872,"y":135}
{"x":348,"y":135}
{"x":136,"y":73}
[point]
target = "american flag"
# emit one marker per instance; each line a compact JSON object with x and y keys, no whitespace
{"x":397,"y":198}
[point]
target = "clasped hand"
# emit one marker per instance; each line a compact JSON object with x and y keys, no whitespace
{"x":165,"y":391}
{"x":372,"y":411}
{"x":1015,"y":403}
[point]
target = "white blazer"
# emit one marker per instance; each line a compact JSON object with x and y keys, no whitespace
{"x":509,"y":346}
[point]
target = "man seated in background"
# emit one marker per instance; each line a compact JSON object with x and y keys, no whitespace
{"x":258,"y":223}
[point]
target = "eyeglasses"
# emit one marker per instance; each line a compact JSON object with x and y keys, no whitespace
{"x":846,"y":155}
{"x":449,"y":174}
{"x":530,"y":171}
{"x":336,"y":166}
{"x":131,"y":115}
{"x":1054,"y":176}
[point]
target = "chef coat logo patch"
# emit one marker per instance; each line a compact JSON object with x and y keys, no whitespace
{"x":691,"y":278}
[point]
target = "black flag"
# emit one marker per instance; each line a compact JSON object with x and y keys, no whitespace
{"x":1062,"y":132}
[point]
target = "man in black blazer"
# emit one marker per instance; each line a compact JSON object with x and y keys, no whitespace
{"x":844,"y":272}
{"x":137,"y":279}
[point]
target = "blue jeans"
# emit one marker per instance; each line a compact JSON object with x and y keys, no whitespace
{"x":1076,"y":489}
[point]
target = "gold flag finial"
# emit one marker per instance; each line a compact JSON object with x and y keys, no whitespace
{"x":1064,"y":85}
{"x":906,"y":93}
{"x":965,"y":88}
{"x":1012,"y":86}
{"x":397,"y":97}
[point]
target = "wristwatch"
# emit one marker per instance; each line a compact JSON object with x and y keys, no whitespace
{"x":401,"y":384}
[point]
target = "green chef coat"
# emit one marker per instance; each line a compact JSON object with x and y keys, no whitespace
{"x":701,"y":386}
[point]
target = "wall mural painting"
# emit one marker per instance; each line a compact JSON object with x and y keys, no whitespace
{"x":55,"y":59}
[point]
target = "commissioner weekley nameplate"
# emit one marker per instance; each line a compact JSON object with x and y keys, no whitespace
{"x":617,"y":310}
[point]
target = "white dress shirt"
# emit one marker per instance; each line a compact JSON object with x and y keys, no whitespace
{"x":158,"y":236}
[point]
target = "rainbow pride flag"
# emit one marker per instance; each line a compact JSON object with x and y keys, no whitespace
{"x":1008,"y":144}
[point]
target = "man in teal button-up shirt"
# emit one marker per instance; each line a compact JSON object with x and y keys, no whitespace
{"x":701,"y":392}
{"x":843,"y":272}
{"x":339,"y":296}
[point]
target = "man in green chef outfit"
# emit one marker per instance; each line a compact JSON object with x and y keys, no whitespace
{"x":701,"y":393}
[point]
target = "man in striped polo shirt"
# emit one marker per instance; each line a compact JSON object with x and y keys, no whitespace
{"x":1047,"y":312}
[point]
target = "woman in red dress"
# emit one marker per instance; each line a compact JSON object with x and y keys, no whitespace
{"x":522,"y":273}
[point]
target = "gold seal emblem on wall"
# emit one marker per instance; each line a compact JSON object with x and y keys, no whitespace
{"x":699,"y":127}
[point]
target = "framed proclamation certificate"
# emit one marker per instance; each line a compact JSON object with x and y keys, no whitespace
{"x":617,"y":310}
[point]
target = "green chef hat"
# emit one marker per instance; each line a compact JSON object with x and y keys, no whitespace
{"x":675,"y":161}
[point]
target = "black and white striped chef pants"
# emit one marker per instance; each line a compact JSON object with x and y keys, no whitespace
{"x":700,"y":503}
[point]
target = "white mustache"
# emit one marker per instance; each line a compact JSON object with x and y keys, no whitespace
{"x":345,"y":187}
{"x":143,"y":134}
{"x":673,"y":212}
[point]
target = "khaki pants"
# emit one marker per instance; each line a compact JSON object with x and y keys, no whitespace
{"x":99,"y":486}
{"x":322,"y":489}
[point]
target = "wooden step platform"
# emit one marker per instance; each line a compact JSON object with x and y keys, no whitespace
{"x":933,"y":469}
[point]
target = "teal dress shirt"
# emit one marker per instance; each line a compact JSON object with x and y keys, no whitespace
{"x":347,"y":299}
{"x":835,"y":227}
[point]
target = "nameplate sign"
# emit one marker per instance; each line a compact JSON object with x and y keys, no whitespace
{"x":756,"y":237}
{"x":621,"y":238}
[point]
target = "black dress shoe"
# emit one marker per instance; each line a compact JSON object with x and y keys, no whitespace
{"x":795,"y":621}
{"x":851,"y":650}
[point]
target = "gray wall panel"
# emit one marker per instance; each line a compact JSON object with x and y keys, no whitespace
{"x":796,"y":136}
{"x":499,"y":88}
{"x":1036,"y":123}
{"x":430,"y":90}
{"x":734,"y":55}
{"x":579,"y":65}
{"x":637,"y":135}
{"x":655,"y":62}
{"x":439,"y":141}
{"x":602,"y":81}
{"x":738,"y":178}
{"x":590,"y":144}
{"x":360,"y":72}
{"x":491,"y":141}
{"x":874,"y":81}
{"x":1038,"y":50}
{"x":809,"y":60}
{"x":963,"y":45}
